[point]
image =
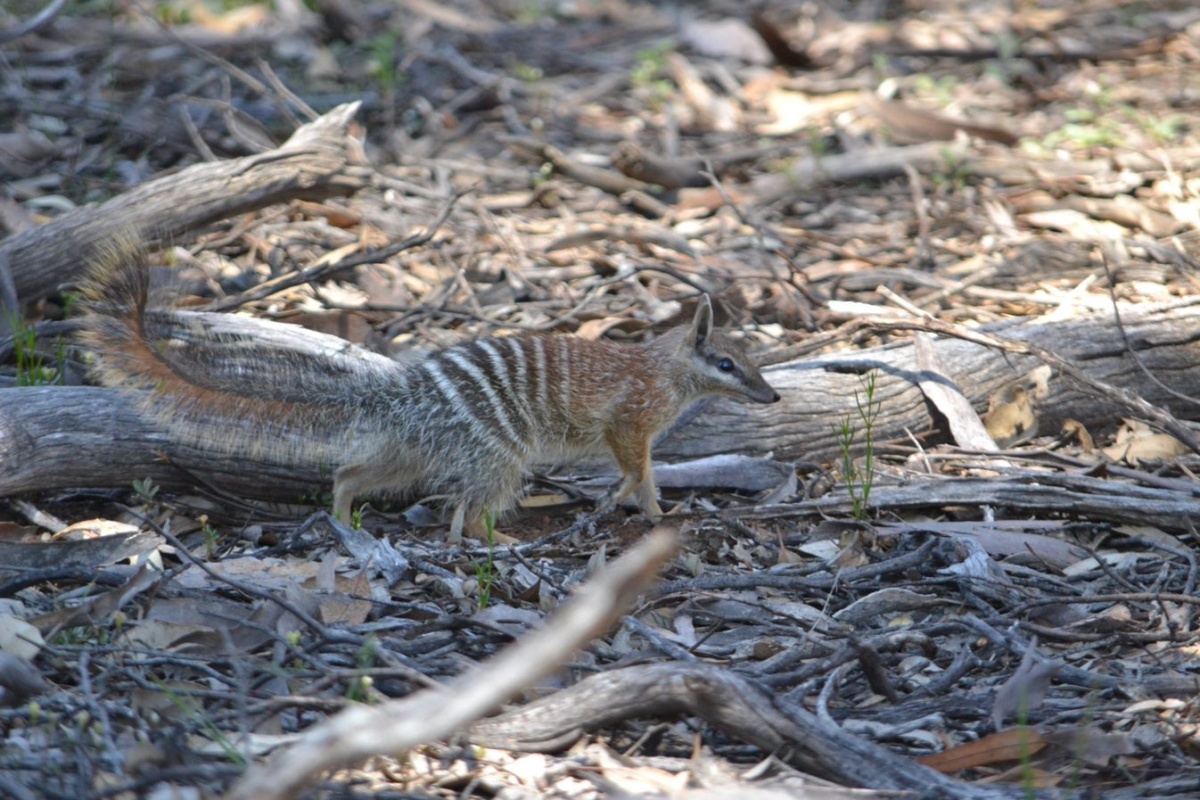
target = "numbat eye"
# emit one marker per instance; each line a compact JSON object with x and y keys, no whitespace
{"x":725,"y":365}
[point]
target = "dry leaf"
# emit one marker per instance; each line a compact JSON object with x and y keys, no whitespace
{"x":780,"y":48}
{"x":713,"y":112}
{"x":1026,"y":689}
{"x":910,"y":124}
{"x":1000,"y":540}
{"x":886,"y":603}
{"x":100,"y":607}
{"x":1136,"y":442}
{"x":346,"y":607}
{"x":1111,"y":620}
{"x":793,"y":111}
{"x":23,"y":150}
{"x":1119,"y":561}
{"x":19,"y":680}
{"x":824,"y":549}
{"x":1075,"y":431}
{"x":231,"y":22}
{"x":1010,"y":418}
{"x":1076,"y":224}
{"x":1025,"y":775}
{"x":724,"y":38}
{"x":269,"y":574}
{"x":111,"y":546}
{"x":1013,"y":744}
{"x":1127,"y":211}
{"x":593,"y":329}
{"x":216,"y":622}
{"x":787,"y":556}
{"x":92,"y":529}
{"x":1093,"y":746}
{"x":157,"y":635}
{"x":977,"y":565}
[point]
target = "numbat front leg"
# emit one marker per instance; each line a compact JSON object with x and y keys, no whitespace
{"x":631,"y":449}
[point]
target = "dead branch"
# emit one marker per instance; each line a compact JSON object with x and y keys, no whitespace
{"x":875,"y":164}
{"x":35,"y":23}
{"x":736,"y":705}
{"x":320,"y":160}
{"x":1125,"y":398}
{"x":1019,"y":491}
{"x":818,"y":392}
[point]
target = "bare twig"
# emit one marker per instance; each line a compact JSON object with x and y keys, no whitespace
{"x":34,"y":23}
{"x":323,"y":269}
{"x":1137,"y":359}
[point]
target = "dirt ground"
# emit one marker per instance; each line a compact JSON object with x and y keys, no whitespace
{"x":958,"y":559}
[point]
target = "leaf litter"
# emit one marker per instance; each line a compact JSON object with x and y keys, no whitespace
{"x":1019,"y":617}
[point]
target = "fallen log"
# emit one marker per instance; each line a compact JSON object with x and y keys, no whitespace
{"x":64,"y":437}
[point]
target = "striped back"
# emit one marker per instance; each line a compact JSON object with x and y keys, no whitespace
{"x":536,"y":398}
{"x":532,"y":397}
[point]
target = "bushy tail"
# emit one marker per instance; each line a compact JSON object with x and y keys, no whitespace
{"x":233,"y":383}
{"x":115,"y":292}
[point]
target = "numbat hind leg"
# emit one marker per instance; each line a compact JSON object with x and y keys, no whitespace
{"x":466,"y":520}
{"x":352,"y":481}
{"x":495,"y":490}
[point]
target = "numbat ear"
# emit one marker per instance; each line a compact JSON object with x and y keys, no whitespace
{"x":702,"y":323}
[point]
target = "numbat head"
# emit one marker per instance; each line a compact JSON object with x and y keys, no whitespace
{"x":467,"y":422}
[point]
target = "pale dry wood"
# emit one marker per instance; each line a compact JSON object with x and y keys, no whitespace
{"x":1007,"y":167}
{"x":868,"y":164}
{"x":736,"y":705}
{"x":1018,"y":492}
{"x":362,"y":731}
{"x":56,"y":437}
{"x":320,"y":160}
{"x":965,"y":425}
{"x":818,"y":392}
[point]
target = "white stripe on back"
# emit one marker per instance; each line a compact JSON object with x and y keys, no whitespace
{"x":517,"y":385}
{"x":543,"y":395}
{"x":564,"y":357}
{"x":458,"y":404}
{"x":481,"y":380}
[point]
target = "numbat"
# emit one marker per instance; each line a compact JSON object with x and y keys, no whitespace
{"x":466,"y":422}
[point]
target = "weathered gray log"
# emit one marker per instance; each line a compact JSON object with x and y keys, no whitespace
{"x":320,"y":160}
{"x":56,"y":437}
{"x":1021,"y":492}
{"x":819,"y":392}
{"x":80,"y":436}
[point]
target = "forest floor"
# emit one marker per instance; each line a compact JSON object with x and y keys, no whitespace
{"x":985,"y":591}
